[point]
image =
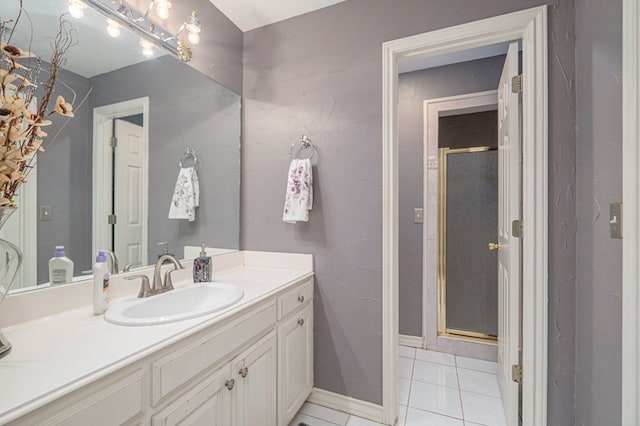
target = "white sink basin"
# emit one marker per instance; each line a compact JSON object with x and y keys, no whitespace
{"x":175,"y":305}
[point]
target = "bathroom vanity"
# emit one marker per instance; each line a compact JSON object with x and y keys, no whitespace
{"x":249,"y":364}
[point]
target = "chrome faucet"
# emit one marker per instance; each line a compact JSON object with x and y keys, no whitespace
{"x":158,"y":285}
{"x":113,"y":264}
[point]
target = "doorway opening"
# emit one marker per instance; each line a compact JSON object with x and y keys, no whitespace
{"x":529,"y":26}
{"x":120,"y":180}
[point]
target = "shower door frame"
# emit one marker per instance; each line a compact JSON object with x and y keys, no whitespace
{"x":442,"y":329}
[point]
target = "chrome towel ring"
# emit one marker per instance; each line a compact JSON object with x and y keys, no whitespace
{"x":305,"y":143}
{"x":189,"y":154}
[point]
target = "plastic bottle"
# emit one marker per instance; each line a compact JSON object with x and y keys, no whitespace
{"x":100,"y":284}
{"x":60,"y":268}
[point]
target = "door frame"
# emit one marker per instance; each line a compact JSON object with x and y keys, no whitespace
{"x":102,"y":174}
{"x":630,"y":211}
{"x":531,"y":27}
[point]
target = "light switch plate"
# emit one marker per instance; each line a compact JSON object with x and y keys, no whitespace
{"x":615,"y":220}
{"x":46,"y":213}
{"x":418,"y":215}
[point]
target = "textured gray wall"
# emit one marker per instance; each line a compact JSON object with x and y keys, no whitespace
{"x":321,"y":74}
{"x":414,"y":88}
{"x":599,"y":177}
{"x":219,"y":53}
{"x":64,"y":183}
{"x":185,"y":109}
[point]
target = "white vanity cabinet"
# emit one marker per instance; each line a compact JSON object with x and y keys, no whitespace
{"x":254,"y":367}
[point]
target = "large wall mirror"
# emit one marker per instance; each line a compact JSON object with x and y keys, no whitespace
{"x":89,"y":193}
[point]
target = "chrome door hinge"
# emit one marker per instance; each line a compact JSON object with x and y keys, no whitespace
{"x":516,"y":373}
{"x":113,"y":142}
{"x":516,"y":84}
{"x":516,"y":228}
{"x":112,"y":219}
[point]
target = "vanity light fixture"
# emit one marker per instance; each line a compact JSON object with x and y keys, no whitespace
{"x":113,"y":28}
{"x":142,"y":23}
{"x":76,"y":8}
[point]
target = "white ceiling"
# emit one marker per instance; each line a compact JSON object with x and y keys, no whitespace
{"x":250,"y":14}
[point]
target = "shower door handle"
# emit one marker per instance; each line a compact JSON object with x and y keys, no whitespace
{"x":494,"y":246}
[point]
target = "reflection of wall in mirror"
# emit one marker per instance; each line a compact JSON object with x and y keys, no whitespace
{"x":186,"y":109}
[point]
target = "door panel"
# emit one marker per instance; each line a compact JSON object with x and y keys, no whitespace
{"x":509,"y":246}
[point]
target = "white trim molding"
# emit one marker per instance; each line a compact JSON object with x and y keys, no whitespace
{"x":530,"y":26}
{"x":102,"y":169}
{"x":411,"y":341}
{"x":346,"y":404}
{"x":630,"y":212}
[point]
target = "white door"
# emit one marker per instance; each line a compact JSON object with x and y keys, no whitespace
{"x":129,"y":231}
{"x":295,"y":363}
{"x":509,"y":246}
{"x":256,"y":384}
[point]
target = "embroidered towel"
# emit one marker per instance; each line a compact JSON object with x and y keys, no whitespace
{"x":186,"y":195}
{"x":299,"y":198}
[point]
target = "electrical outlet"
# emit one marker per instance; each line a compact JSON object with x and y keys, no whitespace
{"x":418,"y":215}
{"x":615,"y":220}
{"x":46,"y":213}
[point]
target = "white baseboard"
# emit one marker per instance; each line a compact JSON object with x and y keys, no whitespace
{"x":346,"y":404}
{"x":411,"y":341}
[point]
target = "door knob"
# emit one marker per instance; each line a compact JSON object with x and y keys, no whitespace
{"x":494,"y":246}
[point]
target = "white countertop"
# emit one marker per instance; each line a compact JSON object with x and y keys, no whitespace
{"x":56,"y":355}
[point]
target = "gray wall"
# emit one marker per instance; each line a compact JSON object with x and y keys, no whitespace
{"x":414,"y":88}
{"x":321,"y":74}
{"x":64,"y":183}
{"x":186,"y":109}
{"x":599,"y":164}
{"x":219,"y":53}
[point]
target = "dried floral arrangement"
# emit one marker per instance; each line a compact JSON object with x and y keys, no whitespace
{"x":22,"y":134}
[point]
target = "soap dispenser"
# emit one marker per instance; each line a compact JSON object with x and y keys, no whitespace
{"x":202,"y":267}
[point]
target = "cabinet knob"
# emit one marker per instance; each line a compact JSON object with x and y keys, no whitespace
{"x":243,"y":372}
{"x":301,"y":322}
{"x":300,"y":299}
{"x":229,"y":384}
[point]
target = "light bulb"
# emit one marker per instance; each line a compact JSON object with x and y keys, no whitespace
{"x":162,"y":12}
{"x":194,"y":38}
{"x":76,"y":9}
{"x":113,"y":28}
{"x":147,"y":48}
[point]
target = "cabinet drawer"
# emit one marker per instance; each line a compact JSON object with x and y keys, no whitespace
{"x":115,"y":404}
{"x":182,"y":365}
{"x":295,"y":298}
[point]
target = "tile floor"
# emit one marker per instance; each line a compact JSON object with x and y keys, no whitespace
{"x":436,"y":389}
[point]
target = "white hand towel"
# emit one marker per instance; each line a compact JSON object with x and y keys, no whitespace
{"x":299,"y":197}
{"x":186,"y":195}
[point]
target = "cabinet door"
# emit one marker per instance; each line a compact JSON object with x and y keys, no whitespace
{"x":206,"y":404}
{"x":295,"y":363}
{"x":256,"y":384}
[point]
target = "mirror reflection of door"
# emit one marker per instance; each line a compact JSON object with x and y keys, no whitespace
{"x":128,"y":169}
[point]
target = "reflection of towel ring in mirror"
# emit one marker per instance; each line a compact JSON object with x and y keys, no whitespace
{"x":189,"y":154}
{"x":305,"y":143}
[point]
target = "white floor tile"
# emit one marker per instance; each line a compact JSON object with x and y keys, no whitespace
{"x":405,"y":368}
{"x":479,"y":382}
{"x":437,"y":357}
{"x":358,"y":421}
{"x":308,"y":420}
{"x":482,"y":409}
{"x":477,"y":364}
{"x":324,"y":413}
{"x":423,"y":418}
{"x":438,"y":399}
{"x":407,"y":352}
{"x":402,"y":415}
{"x":437,"y":374}
{"x":403,"y":391}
